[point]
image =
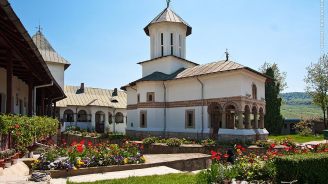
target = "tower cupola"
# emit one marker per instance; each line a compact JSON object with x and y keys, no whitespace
{"x":168,"y":32}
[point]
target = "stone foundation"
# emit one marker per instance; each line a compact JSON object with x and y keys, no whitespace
{"x":187,"y":135}
{"x":242,"y":135}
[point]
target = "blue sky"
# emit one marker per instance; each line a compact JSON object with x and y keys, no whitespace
{"x":104,"y":39}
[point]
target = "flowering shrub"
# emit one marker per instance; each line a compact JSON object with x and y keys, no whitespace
{"x":208,"y":142}
{"x":173,"y":142}
{"x":77,"y":155}
{"x":149,"y":140}
{"x":26,"y":130}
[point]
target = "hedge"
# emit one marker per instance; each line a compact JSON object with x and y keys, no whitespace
{"x":306,"y":168}
{"x":26,"y":130}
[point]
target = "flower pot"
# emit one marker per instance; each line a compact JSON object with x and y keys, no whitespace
{"x":7,"y":163}
{"x":2,"y":163}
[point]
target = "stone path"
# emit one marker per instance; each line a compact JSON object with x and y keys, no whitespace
{"x":161,"y":170}
{"x":315,"y":142}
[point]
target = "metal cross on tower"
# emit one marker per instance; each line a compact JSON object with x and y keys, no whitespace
{"x":168,"y":3}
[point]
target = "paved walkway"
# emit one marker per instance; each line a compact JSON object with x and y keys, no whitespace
{"x":161,"y":170}
{"x":315,"y":142}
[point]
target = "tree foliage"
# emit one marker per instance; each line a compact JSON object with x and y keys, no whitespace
{"x":279,"y":75}
{"x":317,"y":84}
{"x":273,"y":119}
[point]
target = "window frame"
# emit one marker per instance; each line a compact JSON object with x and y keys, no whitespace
{"x":187,"y":120}
{"x":143,"y":119}
{"x":172,"y":45}
{"x":151,"y":94}
{"x":162,"y":44}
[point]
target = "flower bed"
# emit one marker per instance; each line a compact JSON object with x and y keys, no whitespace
{"x":26,"y":130}
{"x":240,"y":164}
{"x":78,"y":155}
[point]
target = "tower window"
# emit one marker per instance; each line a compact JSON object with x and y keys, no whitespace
{"x":190,"y":118}
{"x":180,"y":43}
{"x":162,"y":44}
{"x":138,"y":98}
{"x":171,"y":43}
{"x":143,"y":119}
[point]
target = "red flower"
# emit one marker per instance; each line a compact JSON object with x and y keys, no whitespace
{"x":82,"y":142}
{"x":243,"y":149}
{"x":89,"y":144}
{"x":238,"y":146}
{"x":79,"y":148}
{"x":16,"y":125}
{"x":73,"y":143}
{"x":272,"y":146}
{"x":225,"y":156}
{"x":213,"y":153}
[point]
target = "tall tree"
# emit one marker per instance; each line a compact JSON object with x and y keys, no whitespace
{"x":279,"y":75}
{"x":273,"y":119}
{"x":317,"y":84}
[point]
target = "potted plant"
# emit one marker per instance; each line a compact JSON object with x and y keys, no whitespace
{"x":7,"y":158}
{"x":2,"y":159}
{"x":14,"y":157}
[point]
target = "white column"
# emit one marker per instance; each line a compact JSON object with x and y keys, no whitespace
{"x":256,"y":121}
{"x":224,"y":123}
{"x":240,"y":120}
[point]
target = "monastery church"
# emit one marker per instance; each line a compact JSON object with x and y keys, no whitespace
{"x":179,"y":98}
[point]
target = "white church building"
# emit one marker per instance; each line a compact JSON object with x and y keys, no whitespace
{"x":179,"y":98}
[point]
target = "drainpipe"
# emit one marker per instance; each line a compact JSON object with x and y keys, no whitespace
{"x":164,"y":109}
{"x":202,"y":84}
{"x":34,"y":95}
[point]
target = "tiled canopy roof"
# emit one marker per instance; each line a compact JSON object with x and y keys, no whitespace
{"x":48,"y":53}
{"x":168,"y":15}
{"x":205,"y":69}
{"x":92,"y":97}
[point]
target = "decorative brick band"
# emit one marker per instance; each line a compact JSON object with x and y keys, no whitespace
{"x":237,"y":101}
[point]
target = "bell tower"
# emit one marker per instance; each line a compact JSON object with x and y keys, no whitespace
{"x":168,"y":32}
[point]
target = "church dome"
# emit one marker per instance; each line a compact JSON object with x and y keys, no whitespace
{"x":168,"y":15}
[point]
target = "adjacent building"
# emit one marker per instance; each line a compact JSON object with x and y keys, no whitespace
{"x":176,"y":97}
{"x":27,"y":86}
{"x":96,"y":109}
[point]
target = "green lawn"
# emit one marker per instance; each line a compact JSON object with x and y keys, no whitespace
{"x":298,"y":138}
{"x":156,"y":179}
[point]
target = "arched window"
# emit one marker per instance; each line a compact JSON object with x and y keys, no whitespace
{"x":119,"y":118}
{"x":82,"y":116}
{"x":254,"y":91}
{"x":110,"y":118}
{"x":68,"y":115}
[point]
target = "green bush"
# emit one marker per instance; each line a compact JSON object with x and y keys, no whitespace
{"x":306,"y":168}
{"x":215,"y":174}
{"x":173,"y":142}
{"x":149,"y":140}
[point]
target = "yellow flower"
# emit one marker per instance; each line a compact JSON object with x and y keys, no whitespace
{"x":74,"y":168}
{"x":126,"y":160}
{"x":142,"y":158}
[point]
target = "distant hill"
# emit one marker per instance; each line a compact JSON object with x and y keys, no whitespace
{"x":296,"y":98}
{"x":299,"y":105}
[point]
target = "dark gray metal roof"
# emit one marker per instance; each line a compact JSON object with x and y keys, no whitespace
{"x":168,"y":15}
{"x":185,"y":60}
{"x":205,"y":69}
{"x":48,"y":53}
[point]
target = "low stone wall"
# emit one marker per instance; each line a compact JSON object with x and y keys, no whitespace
{"x":158,"y":148}
{"x":144,"y":134}
{"x":183,"y":165}
{"x":69,"y":139}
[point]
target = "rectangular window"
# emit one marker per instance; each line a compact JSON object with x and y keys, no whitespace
{"x":190,"y":118}
{"x":162,"y":44}
{"x":171,"y":43}
{"x":180,"y":45}
{"x":143,"y":119}
{"x":138,"y":98}
{"x":150,"y":97}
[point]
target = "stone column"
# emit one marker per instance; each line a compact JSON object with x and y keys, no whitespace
{"x":224,"y":123}
{"x":240,"y":120}
{"x":93,"y":120}
{"x":256,"y":121}
{"x":261,"y":121}
{"x":30,"y":98}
